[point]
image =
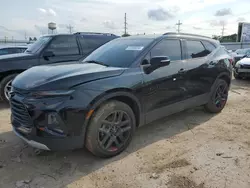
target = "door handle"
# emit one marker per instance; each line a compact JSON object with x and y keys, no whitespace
{"x":181,"y":71}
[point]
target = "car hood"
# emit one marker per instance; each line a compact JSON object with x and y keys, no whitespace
{"x":18,"y":56}
{"x":239,"y":55}
{"x":245,"y":61}
{"x":60,"y":77}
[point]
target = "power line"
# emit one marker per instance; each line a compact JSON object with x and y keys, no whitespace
{"x":179,"y":24}
{"x":125,"y":24}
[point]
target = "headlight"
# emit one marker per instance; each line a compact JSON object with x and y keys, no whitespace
{"x":53,"y":93}
{"x":238,"y":65}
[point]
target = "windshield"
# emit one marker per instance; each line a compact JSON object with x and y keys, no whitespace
{"x":119,"y":52}
{"x":241,"y":51}
{"x":33,"y":48}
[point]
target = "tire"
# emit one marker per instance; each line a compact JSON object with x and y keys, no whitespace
{"x":237,"y":76}
{"x":98,"y":129}
{"x":3,"y":84}
{"x":216,"y":103}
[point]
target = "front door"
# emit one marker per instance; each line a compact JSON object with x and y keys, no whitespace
{"x":163,"y":88}
{"x":64,"y":49}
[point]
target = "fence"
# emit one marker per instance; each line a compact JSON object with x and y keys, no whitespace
{"x":9,"y":42}
{"x":235,"y":45}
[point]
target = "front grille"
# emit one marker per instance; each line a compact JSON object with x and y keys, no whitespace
{"x":245,"y":66}
{"x":20,"y":115}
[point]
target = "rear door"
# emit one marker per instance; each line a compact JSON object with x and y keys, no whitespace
{"x":198,"y":78}
{"x":64,"y":48}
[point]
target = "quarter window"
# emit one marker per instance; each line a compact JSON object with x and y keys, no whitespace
{"x":64,"y":45}
{"x":210,"y":47}
{"x":195,"y":49}
{"x":170,"y":48}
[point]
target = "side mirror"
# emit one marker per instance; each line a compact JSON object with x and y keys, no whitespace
{"x":159,"y":61}
{"x":155,"y":63}
{"x":47,"y":54}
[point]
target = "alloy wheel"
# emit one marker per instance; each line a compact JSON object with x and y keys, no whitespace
{"x":114,"y":131}
{"x":221,"y":95}
{"x":7,"y":89}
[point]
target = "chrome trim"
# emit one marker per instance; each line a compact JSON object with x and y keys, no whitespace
{"x":32,"y":142}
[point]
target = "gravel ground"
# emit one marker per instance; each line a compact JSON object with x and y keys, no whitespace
{"x":191,"y":149}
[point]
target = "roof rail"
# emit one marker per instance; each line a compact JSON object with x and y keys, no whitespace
{"x":93,"y":33}
{"x":188,"y":34}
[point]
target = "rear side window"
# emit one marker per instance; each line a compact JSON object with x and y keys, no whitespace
{"x":170,"y":48}
{"x":90,"y":43}
{"x":64,"y":45}
{"x":195,"y":49}
{"x":209,"y":46}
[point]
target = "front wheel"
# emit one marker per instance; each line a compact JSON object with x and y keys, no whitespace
{"x":110,"y":129}
{"x":5,"y":87}
{"x":237,"y":76}
{"x":218,"y":98}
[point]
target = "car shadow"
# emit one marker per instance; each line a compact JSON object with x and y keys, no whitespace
{"x":240,"y":84}
{"x":3,"y":105}
{"x":58,"y":169}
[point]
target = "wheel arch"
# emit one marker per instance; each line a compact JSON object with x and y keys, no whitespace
{"x":226,"y":77}
{"x":7,"y":73}
{"x":122,"y":94}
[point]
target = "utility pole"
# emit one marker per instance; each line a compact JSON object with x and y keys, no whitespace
{"x":178,"y":24}
{"x":70,"y":28}
{"x":223,"y":30}
{"x":125,"y":24}
{"x":25,"y":35}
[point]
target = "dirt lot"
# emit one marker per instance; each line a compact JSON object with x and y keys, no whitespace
{"x":191,"y":149}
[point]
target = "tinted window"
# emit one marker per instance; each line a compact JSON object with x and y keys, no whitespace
{"x":170,"y":48}
{"x":3,"y":51}
{"x":40,"y":43}
{"x":119,"y":52}
{"x":209,"y":46}
{"x":64,"y":45}
{"x":90,"y":43}
{"x":195,"y":49}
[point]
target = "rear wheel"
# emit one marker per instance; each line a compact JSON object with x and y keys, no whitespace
{"x":218,"y":98}
{"x":5,"y":87}
{"x":111,"y":129}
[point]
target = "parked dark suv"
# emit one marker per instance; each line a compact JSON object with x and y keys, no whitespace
{"x":47,"y":50}
{"x":122,"y":85}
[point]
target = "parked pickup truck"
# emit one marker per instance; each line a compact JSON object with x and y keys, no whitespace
{"x":49,"y":49}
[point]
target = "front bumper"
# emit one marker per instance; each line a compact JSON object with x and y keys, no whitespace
{"x":54,"y":144}
{"x":242,"y":72}
{"x":30,"y":122}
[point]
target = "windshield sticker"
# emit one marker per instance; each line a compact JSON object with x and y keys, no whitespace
{"x":135,"y":48}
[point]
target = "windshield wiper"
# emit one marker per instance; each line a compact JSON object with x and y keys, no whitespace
{"x":96,"y":62}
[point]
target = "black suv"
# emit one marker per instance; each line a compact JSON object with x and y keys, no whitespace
{"x":122,"y":85}
{"x":47,"y":50}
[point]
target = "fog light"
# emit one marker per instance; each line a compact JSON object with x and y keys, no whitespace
{"x":52,"y":119}
{"x":54,"y":125}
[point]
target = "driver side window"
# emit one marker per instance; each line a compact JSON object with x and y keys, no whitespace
{"x":64,"y":45}
{"x":169,"y":47}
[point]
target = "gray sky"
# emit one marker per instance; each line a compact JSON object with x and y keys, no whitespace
{"x":150,"y":16}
